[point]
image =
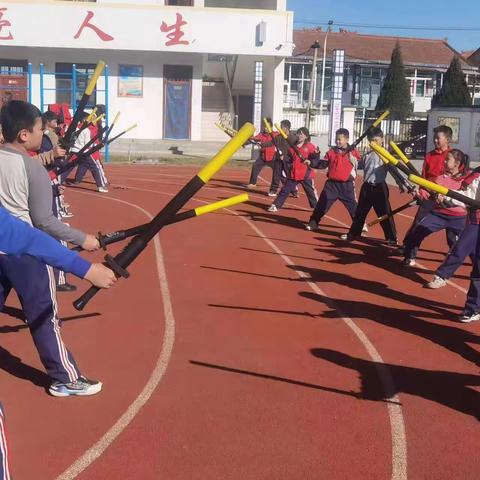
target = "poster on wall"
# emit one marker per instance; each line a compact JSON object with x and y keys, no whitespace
{"x":453,"y":123}
{"x":130,"y":81}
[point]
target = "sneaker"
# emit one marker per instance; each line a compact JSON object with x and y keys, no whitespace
{"x":469,"y":317}
{"x":347,"y":236}
{"x":66,"y":287}
{"x":81,"y":386}
{"x":65,"y":214}
{"x":102,"y":190}
{"x":392,"y":243}
{"x":408,"y":262}
{"x":312,"y":226}
{"x":437,"y":282}
{"x":251,"y":185}
{"x":365,"y":228}
{"x":273,"y":208}
{"x":272,"y":194}
{"x":294,"y":194}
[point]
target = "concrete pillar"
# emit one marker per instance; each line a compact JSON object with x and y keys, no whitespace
{"x":349,"y":119}
{"x":273,"y":80}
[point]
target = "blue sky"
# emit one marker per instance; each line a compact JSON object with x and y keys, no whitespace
{"x":419,"y":13}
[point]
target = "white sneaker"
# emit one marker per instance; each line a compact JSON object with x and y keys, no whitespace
{"x":102,"y":190}
{"x":272,"y":208}
{"x":469,"y":317}
{"x":437,"y":282}
{"x":272,"y":194}
{"x":408,"y":262}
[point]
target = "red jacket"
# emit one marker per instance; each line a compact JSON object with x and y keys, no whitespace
{"x":434,"y":164}
{"x":299,"y":170}
{"x":93,"y":133}
{"x":268,"y":152}
{"x":341,"y":164}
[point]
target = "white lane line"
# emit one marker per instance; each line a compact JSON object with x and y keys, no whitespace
{"x":397,"y":422}
{"x":96,"y":450}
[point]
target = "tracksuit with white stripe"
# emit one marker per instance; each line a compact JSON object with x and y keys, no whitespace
{"x":469,"y":241}
{"x":19,"y":238}
{"x":25,"y":191}
{"x":91,"y":163}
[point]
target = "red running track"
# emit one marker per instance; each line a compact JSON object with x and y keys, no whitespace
{"x":244,"y":347}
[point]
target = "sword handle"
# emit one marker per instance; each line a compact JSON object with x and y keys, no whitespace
{"x":82,"y":301}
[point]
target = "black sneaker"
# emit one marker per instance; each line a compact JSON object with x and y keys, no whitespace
{"x":66,"y":287}
{"x":312,"y":226}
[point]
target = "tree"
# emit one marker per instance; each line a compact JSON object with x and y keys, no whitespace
{"x":454,"y":90}
{"x":395,"y":93}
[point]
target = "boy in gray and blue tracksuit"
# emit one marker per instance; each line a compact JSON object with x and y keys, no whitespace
{"x":25,"y":191}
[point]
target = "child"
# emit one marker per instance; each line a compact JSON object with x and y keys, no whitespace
{"x":300,"y":171}
{"x":266,"y":156}
{"x":445,"y":215}
{"x":18,"y":238}
{"x":89,"y":163}
{"x":433,"y":167}
{"x":374,"y":193}
{"x":464,"y":246}
{"x":471,"y":238}
{"x":342,"y":171}
{"x":25,"y":191}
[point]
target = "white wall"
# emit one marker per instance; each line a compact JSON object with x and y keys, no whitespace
{"x":146,"y":111}
{"x":137,"y":27}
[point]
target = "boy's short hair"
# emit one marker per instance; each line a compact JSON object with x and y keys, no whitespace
{"x":343,"y":131}
{"x":49,"y":116}
{"x":100,"y":109}
{"x":286,"y":124}
{"x":374,"y":132}
{"x":16,"y":116}
{"x":445,"y":129}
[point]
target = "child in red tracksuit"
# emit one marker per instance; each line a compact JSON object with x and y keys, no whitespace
{"x":300,"y":171}
{"x":266,"y":156}
{"x":342,"y":171}
{"x":445,"y":215}
{"x":433,"y":167}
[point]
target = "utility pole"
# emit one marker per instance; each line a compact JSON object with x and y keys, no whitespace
{"x":313,"y":77}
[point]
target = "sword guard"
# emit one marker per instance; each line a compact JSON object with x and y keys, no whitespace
{"x":118,"y":270}
{"x":101,"y":241}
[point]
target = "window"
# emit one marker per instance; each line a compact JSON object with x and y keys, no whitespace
{"x":64,"y":84}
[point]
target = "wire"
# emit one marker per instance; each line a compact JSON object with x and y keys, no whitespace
{"x":393,"y":27}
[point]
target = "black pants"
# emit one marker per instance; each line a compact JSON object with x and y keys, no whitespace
{"x":333,"y":191}
{"x":257,"y":167}
{"x":280,"y":174}
{"x":376,"y":196}
{"x":291,"y":185}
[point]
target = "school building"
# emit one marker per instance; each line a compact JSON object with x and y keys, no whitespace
{"x":367,"y":58}
{"x":174,"y":66}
